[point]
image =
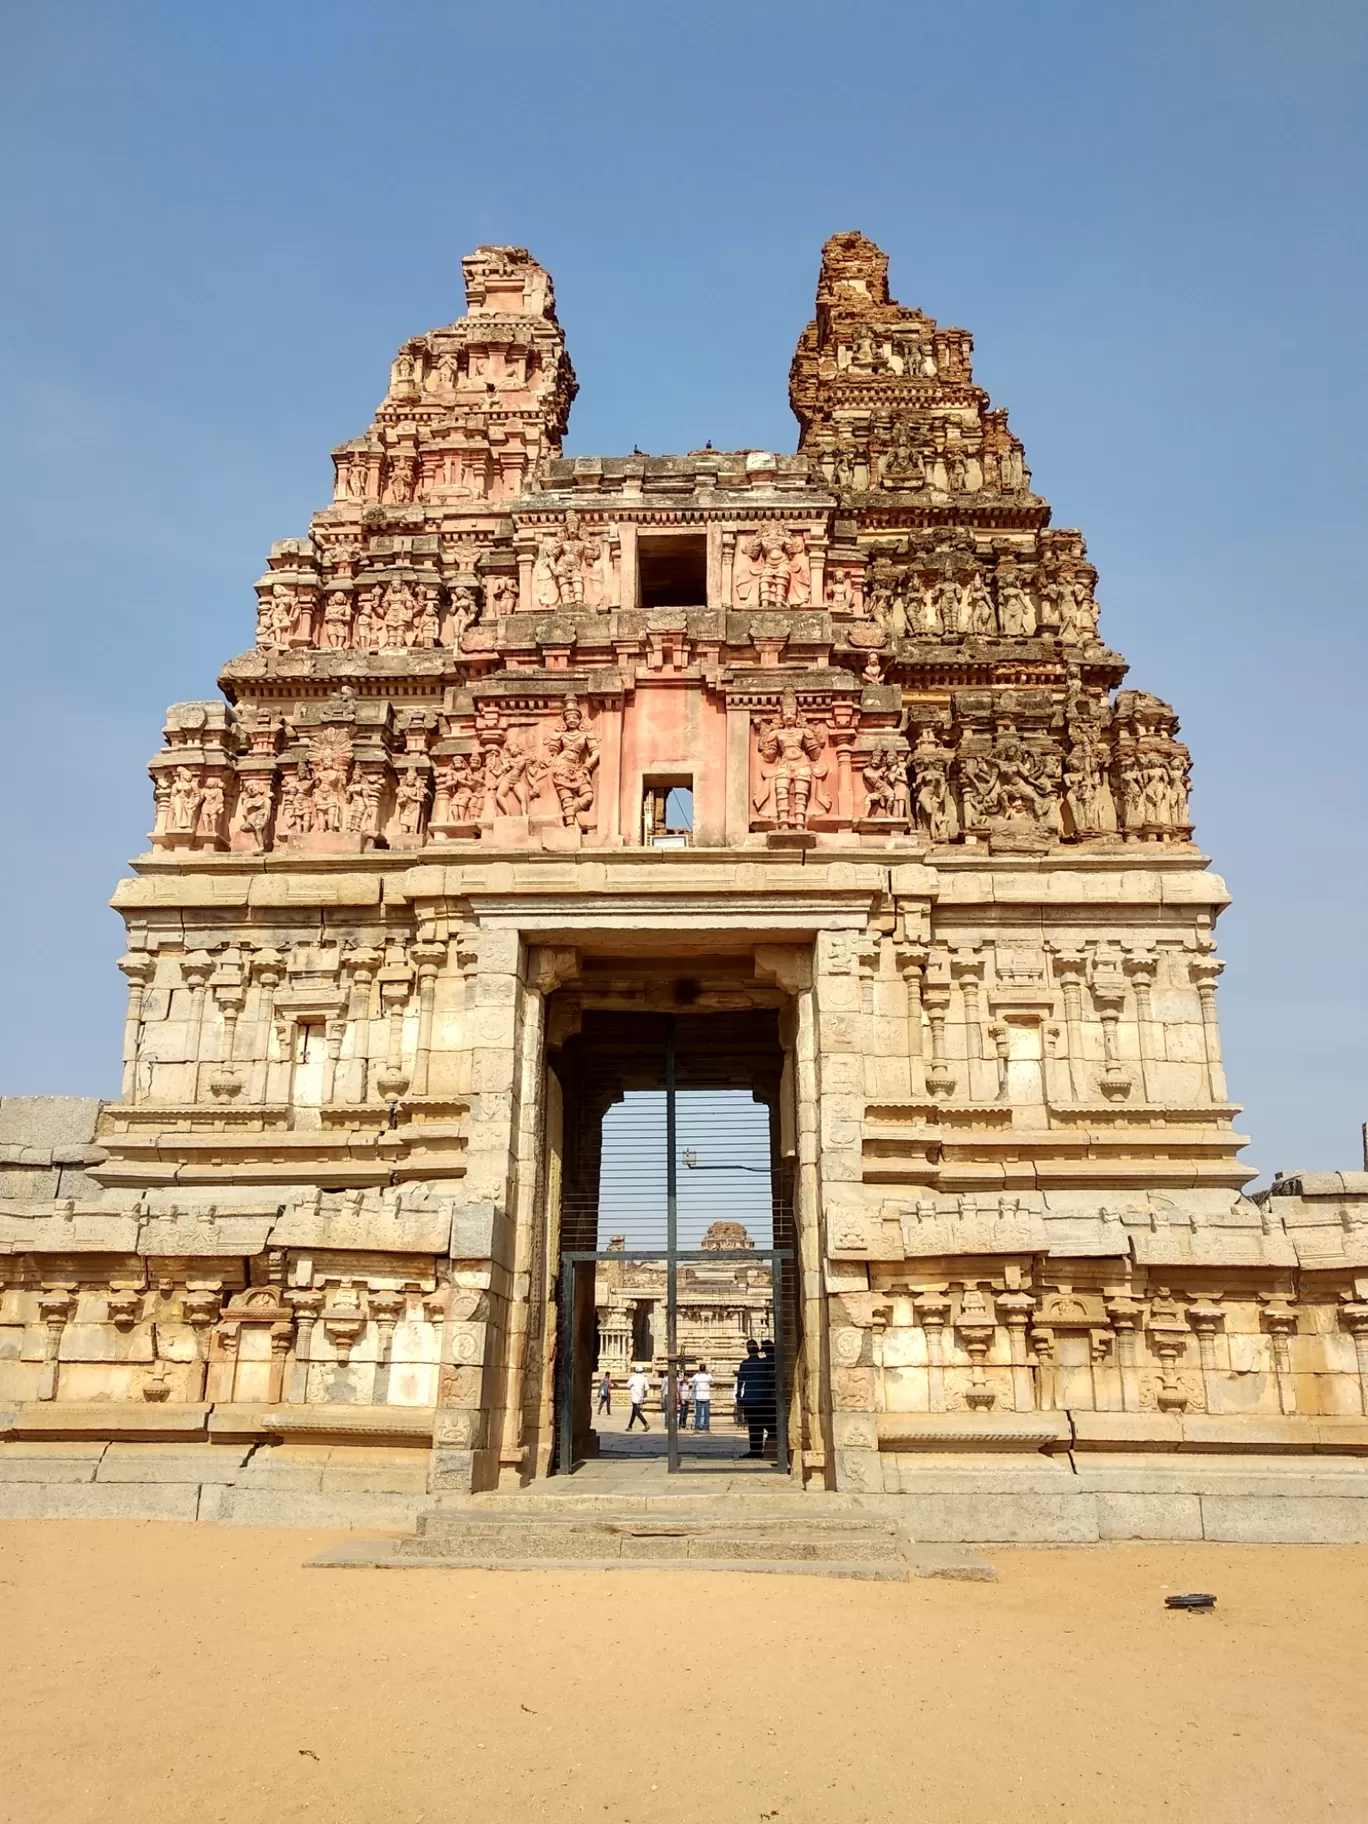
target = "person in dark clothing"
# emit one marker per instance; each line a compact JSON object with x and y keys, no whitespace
{"x":767,"y":1408}
{"x":750,"y":1396}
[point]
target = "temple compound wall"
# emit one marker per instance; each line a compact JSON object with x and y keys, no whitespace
{"x":307,"y":1264}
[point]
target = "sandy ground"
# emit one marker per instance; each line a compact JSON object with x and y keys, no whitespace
{"x":162,"y":1672}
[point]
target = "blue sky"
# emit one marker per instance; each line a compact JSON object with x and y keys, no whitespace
{"x":218,"y":222}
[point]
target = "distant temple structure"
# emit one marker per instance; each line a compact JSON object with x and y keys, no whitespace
{"x":820,"y":762}
{"x":722,"y":1307}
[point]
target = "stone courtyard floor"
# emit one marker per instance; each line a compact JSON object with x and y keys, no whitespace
{"x":158,"y":1671}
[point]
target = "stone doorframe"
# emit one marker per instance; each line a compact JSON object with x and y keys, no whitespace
{"x":495,"y":1410}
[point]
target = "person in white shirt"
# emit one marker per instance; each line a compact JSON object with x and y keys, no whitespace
{"x":702,"y":1398}
{"x":637,"y":1387}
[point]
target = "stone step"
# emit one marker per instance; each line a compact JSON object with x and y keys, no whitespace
{"x":624,"y":1540}
{"x":728,"y":1532}
{"x":387,"y":1554}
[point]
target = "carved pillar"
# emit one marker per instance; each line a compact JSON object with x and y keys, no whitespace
{"x":1354,"y":1316}
{"x":230,"y":996}
{"x":1069,"y":972}
{"x":969,"y":973}
{"x":56,"y":1306}
{"x":1141,"y":970}
{"x":344,"y":1321}
{"x":933,"y":1308}
{"x":1206,"y":1318}
{"x":1043,"y":1342}
{"x":395,"y":986}
{"x":911,"y":964}
{"x":196,"y":970}
{"x":1279,"y":1319}
{"x":139,"y":968}
{"x":1167,"y":1331}
{"x":428,"y":958}
{"x":307,"y":1304}
{"x":336,"y":1031}
{"x":1126,"y":1316}
{"x":975,"y":1327}
{"x":1015,"y":1310}
{"x":1000,"y":1034}
{"x":386,"y":1309}
{"x":1204,"y":973}
{"x":1109,"y":997}
{"x":199,"y":1309}
{"x":940,"y":1079}
{"x":363,"y":962}
{"x":268,"y":970}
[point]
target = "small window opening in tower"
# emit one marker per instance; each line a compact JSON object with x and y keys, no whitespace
{"x":667,"y":814}
{"x":672,"y":572}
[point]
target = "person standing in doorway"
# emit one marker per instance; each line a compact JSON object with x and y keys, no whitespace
{"x":637,"y":1389}
{"x":750,"y":1378}
{"x":702,"y":1398}
{"x":605,"y":1399}
{"x":767,"y":1406}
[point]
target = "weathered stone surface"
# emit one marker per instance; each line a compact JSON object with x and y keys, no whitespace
{"x":422,"y":872}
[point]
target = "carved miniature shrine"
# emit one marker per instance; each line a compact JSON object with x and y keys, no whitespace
{"x":932,"y":895}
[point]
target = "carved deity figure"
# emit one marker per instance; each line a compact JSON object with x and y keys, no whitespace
{"x":500,"y":594}
{"x":1016,"y":610}
{"x":840,"y":597}
{"x":885,"y":781}
{"x":791,"y":748}
{"x":1023,"y":789}
{"x":1086,"y":791}
{"x":507,"y":778}
{"x":977,"y":612}
{"x":1077,"y":611}
{"x":396,"y":617}
{"x":330,"y":765}
{"x":574,"y":759}
{"x":253,"y":815}
{"x":337,"y":618}
{"x":936,"y":811}
{"x":410,"y":795}
{"x":426,"y":625}
{"x":401,"y":482}
{"x":295,"y":817}
{"x":546,"y":584}
{"x":363,"y":804}
{"x":461,"y":613}
{"x":183,"y":802}
{"x":773,"y":571}
{"x":213,"y":801}
{"x":458,"y":786}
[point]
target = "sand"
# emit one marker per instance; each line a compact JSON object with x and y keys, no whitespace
{"x":162,"y":1672}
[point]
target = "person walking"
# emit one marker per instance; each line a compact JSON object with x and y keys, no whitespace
{"x":605,"y":1397}
{"x":702,"y":1398}
{"x":637,"y":1389}
{"x":750,"y":1377}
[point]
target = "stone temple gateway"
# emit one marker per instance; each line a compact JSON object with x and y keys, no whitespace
{"x":420,"y":882}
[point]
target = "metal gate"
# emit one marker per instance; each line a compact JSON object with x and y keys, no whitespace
{"x":731,"y":1277}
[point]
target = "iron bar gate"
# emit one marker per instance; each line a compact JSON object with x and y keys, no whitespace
{"x":574,"y":1323}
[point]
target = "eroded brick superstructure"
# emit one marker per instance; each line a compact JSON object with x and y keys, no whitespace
{"x":423,"y":834}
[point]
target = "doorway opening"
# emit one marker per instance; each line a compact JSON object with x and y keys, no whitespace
{"x":677,"y":1289}
{"x":672,"y":571}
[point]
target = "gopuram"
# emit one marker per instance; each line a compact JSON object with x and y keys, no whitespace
{"x":414,"y":911}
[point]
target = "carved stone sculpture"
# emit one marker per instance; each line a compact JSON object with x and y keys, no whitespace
{"x":791,"y":748}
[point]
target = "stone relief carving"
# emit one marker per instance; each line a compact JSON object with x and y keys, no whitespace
{"x":790,"y":748}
